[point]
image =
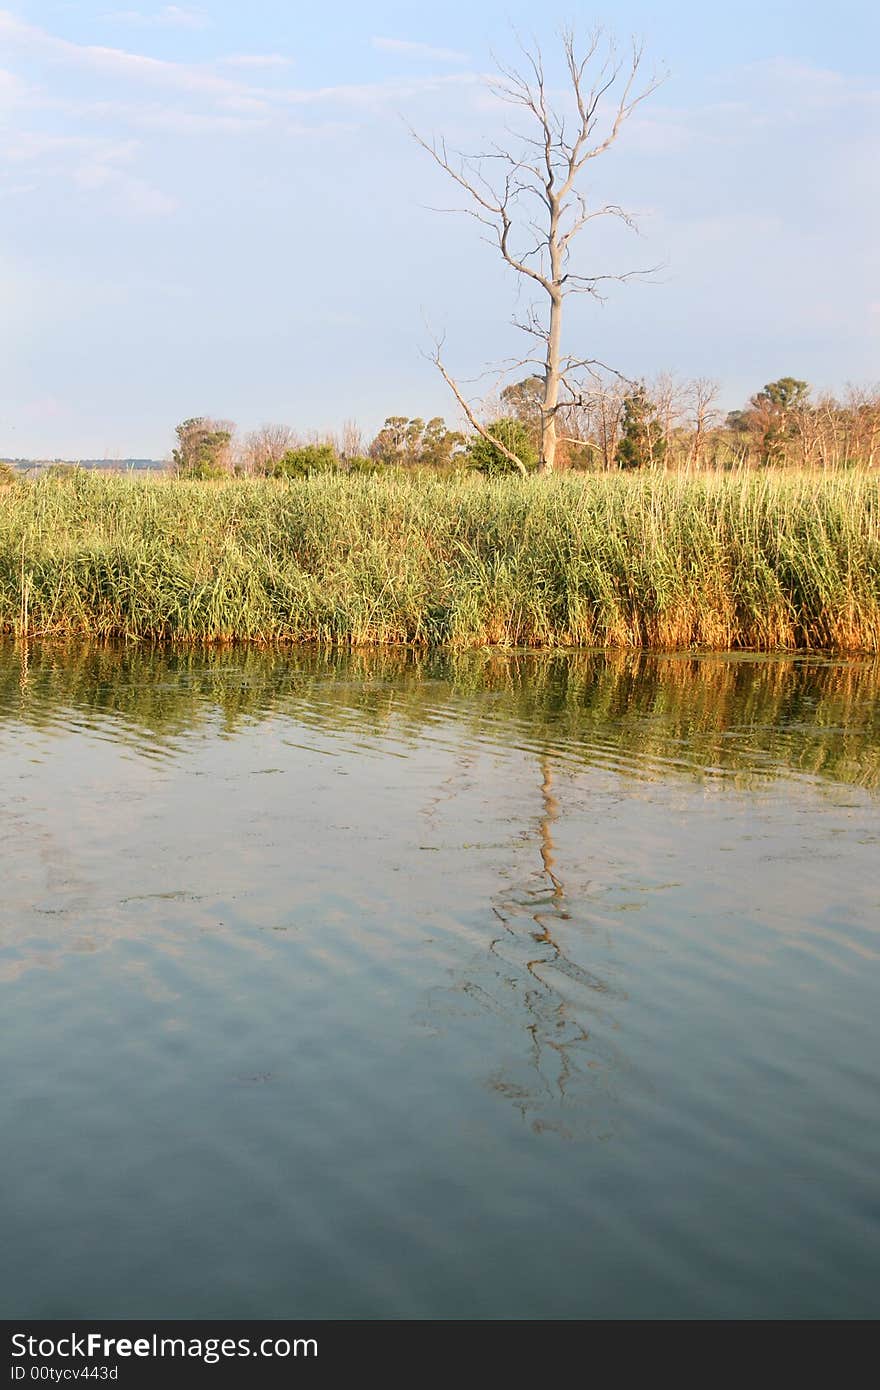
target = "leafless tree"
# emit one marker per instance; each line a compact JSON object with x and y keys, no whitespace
{"x":668,"y":395}
{"x":588,"y":423}
{"x":862,"y":406}
{"x":351,"y":440}
{"x":702,"y":415}
{"x":806,"y":423}
{"x":533,"y":202}
{"x":599,"y":412}
{"x":262,"y":448}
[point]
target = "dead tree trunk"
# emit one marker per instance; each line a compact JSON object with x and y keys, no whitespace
{"x":535,"y":206}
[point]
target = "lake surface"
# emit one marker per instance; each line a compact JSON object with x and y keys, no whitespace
{"x":389,"y":987}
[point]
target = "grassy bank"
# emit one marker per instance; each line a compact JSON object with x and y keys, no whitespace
{"x":767,"y":561}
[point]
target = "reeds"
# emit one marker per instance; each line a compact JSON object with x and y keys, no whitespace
{"x":773,"y":561}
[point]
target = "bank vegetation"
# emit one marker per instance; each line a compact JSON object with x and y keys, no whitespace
{"x":771,"y":560}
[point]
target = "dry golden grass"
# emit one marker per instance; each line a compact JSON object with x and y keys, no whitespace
{"x":774,"y":562}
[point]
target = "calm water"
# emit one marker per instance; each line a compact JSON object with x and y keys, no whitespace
{"x":481,"y":987}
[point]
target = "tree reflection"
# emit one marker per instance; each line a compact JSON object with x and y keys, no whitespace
{"x":539,"y":965}
{"x":738,"y":717}
{"x":563,"y":1000}
{"x":528,"y":981}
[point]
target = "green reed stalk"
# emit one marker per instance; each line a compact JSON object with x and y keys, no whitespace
{"x":774,"y":561}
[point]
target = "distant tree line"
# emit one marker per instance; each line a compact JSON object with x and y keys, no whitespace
{"x":616,"y":424}
{"x":208,"y":448}
{"x":12,"y":468}
{"x":676,"y":424}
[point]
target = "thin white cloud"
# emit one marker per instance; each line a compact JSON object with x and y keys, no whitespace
{"x":772,"y":94}
{"x":132,"y":194}
{"x":375,"y":94}
{"x":126,"y":100}
{"x":815,"y":86}
{"x":92,"y":164}
{"x":12,"y":90}
{"x":30,"y":146}
{"x":199,"y":80}
{"x":409,"y":49}
{"x":170,"y":122}
{"x":256,"y":60}
{"x":169,"y":17}
{"x":114,"y":61}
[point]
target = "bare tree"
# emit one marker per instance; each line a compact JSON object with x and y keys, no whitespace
{"x":533,"y":203}
{"x":261,"y":449}
{"x":668,"y":395}
{"x":351,"y":441}
{"x":863,"y":408}
{"x":604,"y":403}
{"x":807,"y":420}
{"x":703,"y":415}
{"x":590,"y":421}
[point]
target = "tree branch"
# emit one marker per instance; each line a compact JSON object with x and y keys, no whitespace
{"x":471,"y":417}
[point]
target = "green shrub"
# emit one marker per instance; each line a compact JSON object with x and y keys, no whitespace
{"x":515,"y":436}
{"x":307,"y":461}
{"x":365,"y":465}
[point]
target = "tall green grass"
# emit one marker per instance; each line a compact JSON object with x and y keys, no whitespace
{"x":768,"y":561}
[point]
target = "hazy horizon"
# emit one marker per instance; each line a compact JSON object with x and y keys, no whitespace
{"x":209,"y":210}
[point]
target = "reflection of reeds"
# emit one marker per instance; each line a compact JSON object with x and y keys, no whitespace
{"x":774,"y":561}
{"x":678,"y":714}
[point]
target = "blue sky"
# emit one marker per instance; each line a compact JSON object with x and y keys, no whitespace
{"x":217,"y":209}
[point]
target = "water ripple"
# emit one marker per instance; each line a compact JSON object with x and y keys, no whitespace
{"x":388,"y":987}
